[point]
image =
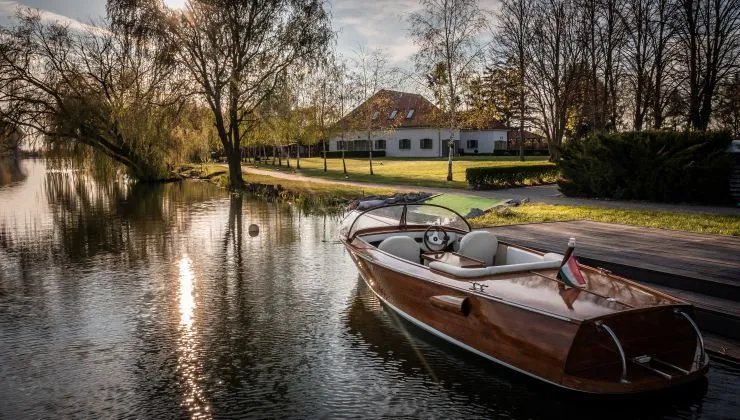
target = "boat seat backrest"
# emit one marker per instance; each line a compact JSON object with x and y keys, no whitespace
{"x":550,"y":260}
{"x":402,"y":247}
{"x":480,"y":245}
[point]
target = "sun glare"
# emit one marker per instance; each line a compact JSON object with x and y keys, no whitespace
{"x":174,"y":4}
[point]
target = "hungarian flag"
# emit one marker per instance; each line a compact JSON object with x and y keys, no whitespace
{"x":571,"y":274}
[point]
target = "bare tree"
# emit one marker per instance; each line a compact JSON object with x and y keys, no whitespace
{"x":513,"y":36}
{"x":331,"y":93}
{"x":447,"y":33}
{"x":371,"y":74}
{"x":661,"y":40}
{"x":709,"y":36}
{"x":236,"y":50}
{"x":555,"y":68}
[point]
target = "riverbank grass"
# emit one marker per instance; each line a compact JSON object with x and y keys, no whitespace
{"x":411,"y":172}
{"x":536,"y":213}
{"x":323,"y":191}
{"x":526,"y":213}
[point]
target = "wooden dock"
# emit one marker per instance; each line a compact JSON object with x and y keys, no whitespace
{"x":700,"y":268}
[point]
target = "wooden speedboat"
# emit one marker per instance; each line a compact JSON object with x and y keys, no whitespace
{"x":506,"y":303}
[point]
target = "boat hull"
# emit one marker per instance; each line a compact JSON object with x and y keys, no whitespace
{"x":534,"y":343}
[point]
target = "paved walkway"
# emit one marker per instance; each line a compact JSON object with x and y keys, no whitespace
{"x":547,"y":194}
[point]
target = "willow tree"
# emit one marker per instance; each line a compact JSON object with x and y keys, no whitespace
{"x":448,"y":33}
{"x":236,"y":50}
{"x":92,"y":85}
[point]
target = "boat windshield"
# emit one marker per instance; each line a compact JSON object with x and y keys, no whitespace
{"x":402,"y":215}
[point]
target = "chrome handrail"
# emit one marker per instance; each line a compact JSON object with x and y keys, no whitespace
{"x":678,"y":311}
{"x":601,"y":326}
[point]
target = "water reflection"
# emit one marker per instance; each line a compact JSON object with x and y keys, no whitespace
{"x":11,"y":171}
{"x":188,"y":360}
{"x":121,"y":300}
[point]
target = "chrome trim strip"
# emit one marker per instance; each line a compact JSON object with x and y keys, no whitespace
{"x":670,"y":365}
{"x":601,"y":326}
{"x":698,"y":333}
{"x":652,"y":369}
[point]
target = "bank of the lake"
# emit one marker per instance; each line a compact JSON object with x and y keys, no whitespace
{"x":320,"y":192}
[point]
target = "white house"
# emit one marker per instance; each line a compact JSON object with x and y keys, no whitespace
{"x":404,"y":124}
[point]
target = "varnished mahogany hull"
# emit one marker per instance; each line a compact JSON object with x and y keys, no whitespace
{"x":568,"y":353}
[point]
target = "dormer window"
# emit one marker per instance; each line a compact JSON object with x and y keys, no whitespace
{"x":410,"y":114}
{"x":375,"y":115}
{"x":393,"y":114}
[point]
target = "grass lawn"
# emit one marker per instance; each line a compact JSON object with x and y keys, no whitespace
{"x":527,"y":213}
{"x":408,"y":171}
{"x":463,"y":203}
{"x":533,"y":213}
{"x":326,"y":191}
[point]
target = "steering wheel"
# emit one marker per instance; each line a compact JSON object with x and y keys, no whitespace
{"x":436,"y":238}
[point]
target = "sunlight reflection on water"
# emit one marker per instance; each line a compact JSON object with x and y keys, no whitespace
{"x":188,"y":361}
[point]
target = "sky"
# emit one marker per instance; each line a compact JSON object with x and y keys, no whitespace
{"x":370,"y":23}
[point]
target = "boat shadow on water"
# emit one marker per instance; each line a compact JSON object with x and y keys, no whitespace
{"x":495,"y":389}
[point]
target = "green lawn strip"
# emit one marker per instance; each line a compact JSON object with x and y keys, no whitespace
{"x":219,"y":174}
{"x":690,"y":222}
{"x":462,"y":203}
{"x":413,"y":172}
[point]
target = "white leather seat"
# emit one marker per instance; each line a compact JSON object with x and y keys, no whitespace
{"x":402,"y":247}
{"x":480,"y":245}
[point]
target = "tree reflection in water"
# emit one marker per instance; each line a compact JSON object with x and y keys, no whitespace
{"x":11,"y":171}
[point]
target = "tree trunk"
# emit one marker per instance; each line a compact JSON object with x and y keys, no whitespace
{"x":234,"y":158}
{"x":370,"y":153}
{"x":451,"y":147}
{"x":323,"y":145}
{"x":298,"y":156}
{"x":344,"y":164}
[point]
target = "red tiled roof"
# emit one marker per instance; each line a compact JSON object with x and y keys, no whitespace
{"x":426,"y":114}
{"x":384,"y":102}
{"x":468,"y":121}
{"x":514,"y":135}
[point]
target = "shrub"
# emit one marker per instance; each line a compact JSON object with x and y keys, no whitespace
{"x":357,"y":154}
{"x":653,"y":165}
{"x":508,"y":176}
{"x":515,"y":152}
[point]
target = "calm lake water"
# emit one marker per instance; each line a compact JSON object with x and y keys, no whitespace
{"x":156,"y":302}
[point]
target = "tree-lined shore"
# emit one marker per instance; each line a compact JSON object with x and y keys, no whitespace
{"x":152,"y":87}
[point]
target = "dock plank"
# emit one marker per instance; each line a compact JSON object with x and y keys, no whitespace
{"x":712,"y":260}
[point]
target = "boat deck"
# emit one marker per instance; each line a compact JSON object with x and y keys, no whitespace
{"x":703,"y":263}
{"x":703,"y":269}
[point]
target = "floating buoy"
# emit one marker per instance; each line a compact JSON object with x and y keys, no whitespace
{"x":254,"y":230}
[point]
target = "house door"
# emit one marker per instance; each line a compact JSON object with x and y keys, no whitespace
{"x":446,"y":148}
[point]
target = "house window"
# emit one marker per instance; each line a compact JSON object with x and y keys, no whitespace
{"x":404,"y":144}
{"x":379,"y":144}
{"x":341,"y":145}
{"x":393,"y":114}
{"x":472,"y":144}
{"x":425,"y":143}
{"x":410,"y":114}
{"x":375,"y":115}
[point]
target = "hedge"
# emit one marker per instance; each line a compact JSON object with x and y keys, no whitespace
{"x":482,"y":178}
{"x":354,"y":154}
{"x":662,"y":166}
{"x":527,"y":152}
{"x":512,"y":152}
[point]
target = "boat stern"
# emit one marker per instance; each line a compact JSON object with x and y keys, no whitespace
{"x":635,"y":351}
